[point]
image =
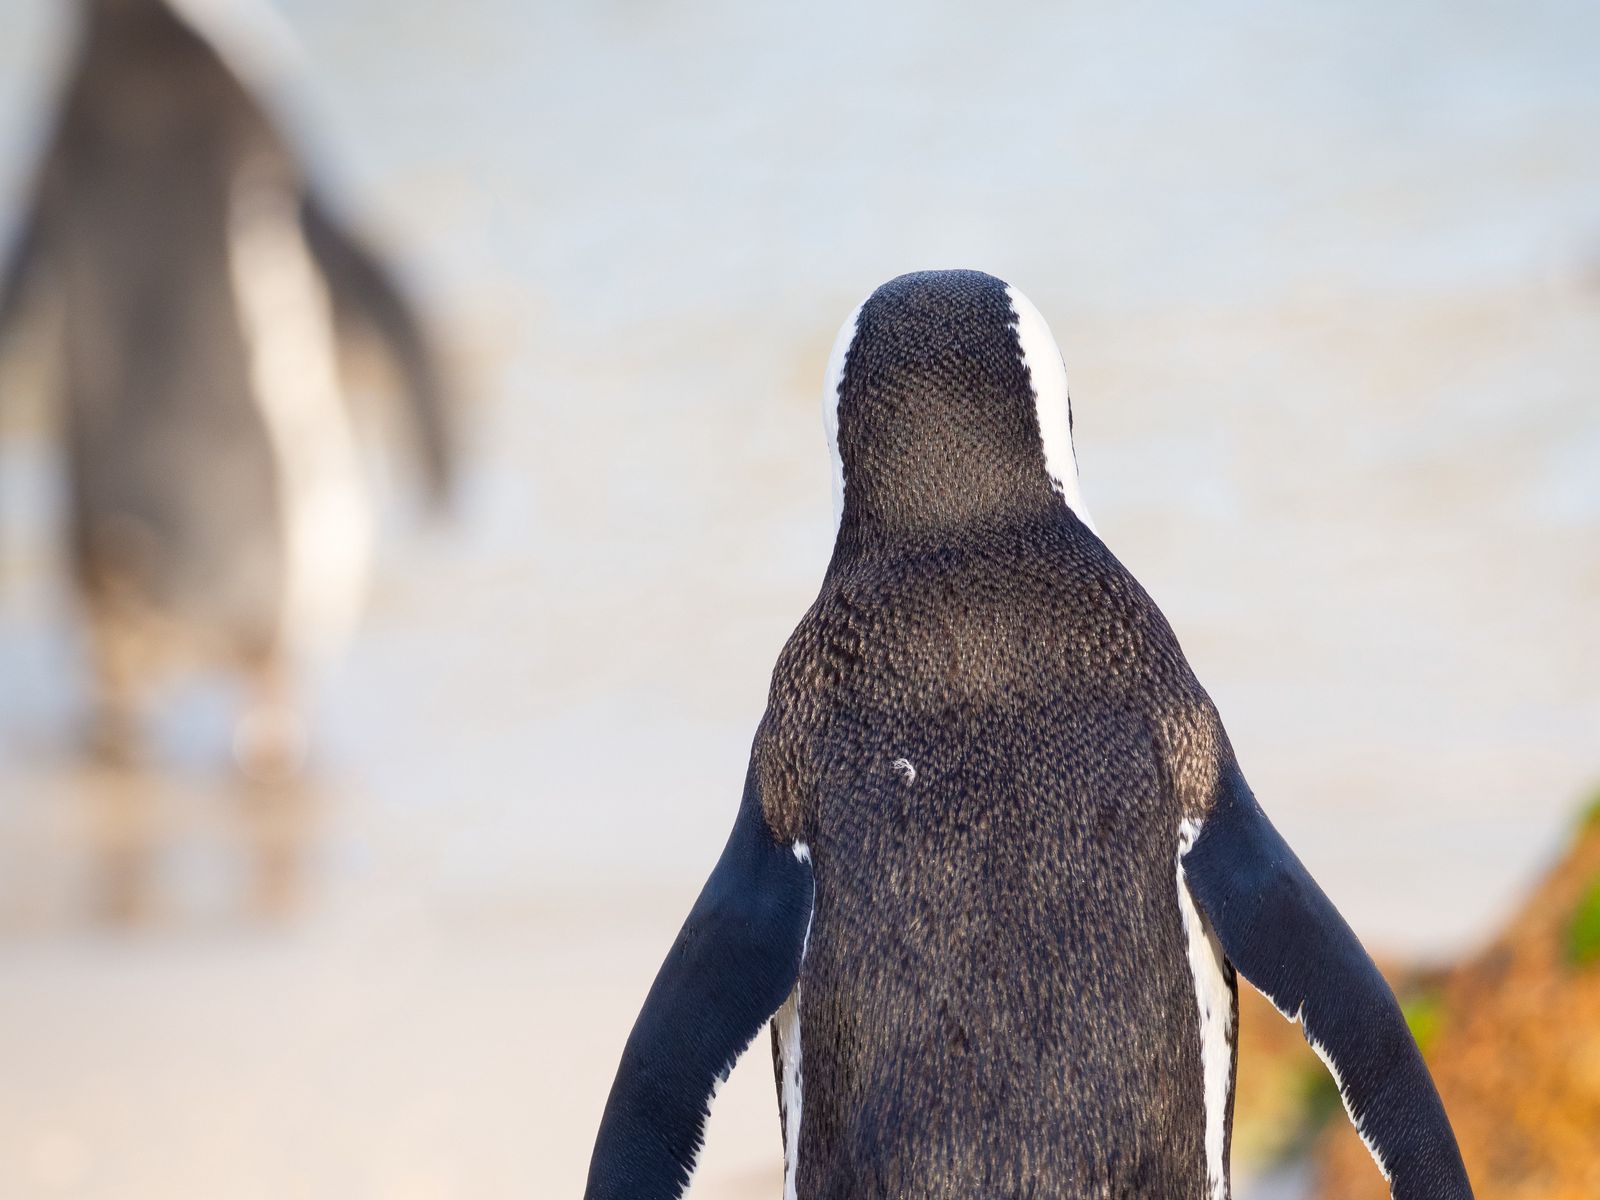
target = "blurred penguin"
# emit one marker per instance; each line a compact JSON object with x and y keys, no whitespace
{"x":219,"y":514}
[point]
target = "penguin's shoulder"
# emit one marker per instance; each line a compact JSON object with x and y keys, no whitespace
{"x":1015,"y":608}
{"x":1030,"y":629}
{"x":1010,"y":614}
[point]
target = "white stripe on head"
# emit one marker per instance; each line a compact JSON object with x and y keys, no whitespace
{"x":831,"y":384}
{"x":1042,"y":357}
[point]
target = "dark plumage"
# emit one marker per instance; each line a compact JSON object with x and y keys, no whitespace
{"x":203,"y":289}
{"x":996,"y":959}
{"x":986,"y":743}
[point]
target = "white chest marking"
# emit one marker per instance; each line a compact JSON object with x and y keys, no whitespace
{"x":1215,"y":1001}
{"x":287,"y":321}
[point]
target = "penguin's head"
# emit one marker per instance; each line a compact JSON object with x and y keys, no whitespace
{"x":126,"y":10}
{"x":945,"y":405}
{"x":250,"y":35}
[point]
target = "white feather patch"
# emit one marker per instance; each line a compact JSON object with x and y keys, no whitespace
{"x":791,"y":1098}
{"x":832,"y":381}
{"x":1048,"y":372}
{"x":1214,"y":999}
{"x":286,"y":318}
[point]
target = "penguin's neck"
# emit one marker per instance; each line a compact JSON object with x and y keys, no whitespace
{"x":867,"y":532}
{"x":946,"y":489}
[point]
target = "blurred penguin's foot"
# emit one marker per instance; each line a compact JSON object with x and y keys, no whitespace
{"x":280,"y":821}
{"x":124,"y":893}
{"x":270,"y":740}
{"x":122,"y":656}
{"x":269,"y":744}
{"x":112,"y":739}
{"x":126,"y":834}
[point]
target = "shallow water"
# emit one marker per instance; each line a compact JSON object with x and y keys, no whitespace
{"x":1328,"y":283}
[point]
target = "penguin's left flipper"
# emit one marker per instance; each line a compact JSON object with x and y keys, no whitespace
{"x":21,"y":258}
{"x":735,"y":962}
{"x":364,"y":291}
{"x":1285,"y":936}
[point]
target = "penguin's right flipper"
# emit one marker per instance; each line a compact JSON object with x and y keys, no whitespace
{"x":365,"y":291}
{"x":735,"y":962}
{"x":1285,"y":936}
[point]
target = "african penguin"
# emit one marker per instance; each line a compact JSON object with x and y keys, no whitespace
{"x":995,"y":866}
{"x":204,"y":293}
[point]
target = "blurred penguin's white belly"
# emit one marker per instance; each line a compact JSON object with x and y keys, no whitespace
{"x":325,"y":513}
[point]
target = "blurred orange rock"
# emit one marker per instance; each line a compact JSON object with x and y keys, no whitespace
{"x":1513,"y":1038}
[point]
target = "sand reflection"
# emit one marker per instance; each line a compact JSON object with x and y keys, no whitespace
{"x":138,"y":847}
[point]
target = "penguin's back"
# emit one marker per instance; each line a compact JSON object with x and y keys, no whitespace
{"x":970,"y":738}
